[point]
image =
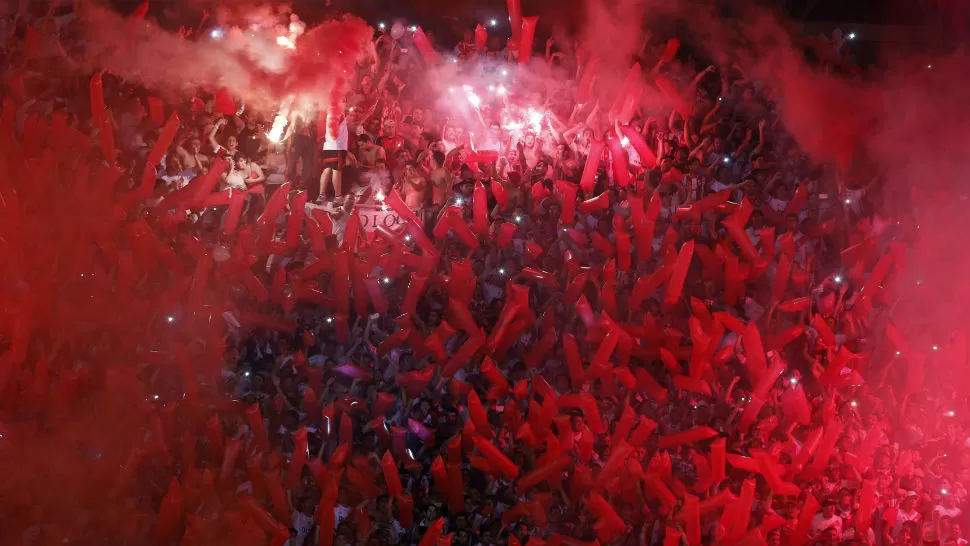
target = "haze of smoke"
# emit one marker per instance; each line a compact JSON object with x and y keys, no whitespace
{"x":251,"y":68}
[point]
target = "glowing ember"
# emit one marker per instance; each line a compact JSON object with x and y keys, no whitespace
{"x":275,"y":133}
{"x":474,"y":99}
{"x":285,"y":42}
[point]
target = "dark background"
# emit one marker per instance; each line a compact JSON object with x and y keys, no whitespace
{"x":926,"y":25}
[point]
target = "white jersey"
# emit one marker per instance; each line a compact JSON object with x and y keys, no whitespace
{"x":339,"y":141}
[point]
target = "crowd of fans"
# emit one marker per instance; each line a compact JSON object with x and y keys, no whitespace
{"x":553,"y":280}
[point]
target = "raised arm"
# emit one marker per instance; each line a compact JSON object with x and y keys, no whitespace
{"x":215,"y":130}
{"x":700,"y":76}
{"x":761,"y":138}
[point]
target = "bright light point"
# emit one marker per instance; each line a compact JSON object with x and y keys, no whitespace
{"x":943,"y":491}
{"x":929,"y":66}
{"x":451,"y":89}
{"x":500,"y":90}
{"x":285,"y":42}
{"x":454,"y":61}
{"x":950,"y":413}
{"x":386,"y":280}
{"x":155,"y":396}
{"x":793,"y":380}
{"x":898,"y":353}
{"x":459,"y":201}
{"x":854,"y":403}
{"x":936,"y":348}
{"x":474,"y":99}
{"x":491,"y":88}
{"x":919,"y":283}
{"x":838,"y":278}
{"x":565,"y":230}
{"x":493,"y":23}
{"x":852,"y":35}
{"x":407,"y":237}
{"x":848,"y":201}
{"x":217,"y":34}
{"x":171,"y":318}
{"x":245,"y":374}
{"x":501,"y":271}
{"x":379,"y":196}
{"x":381,"y":26}
{"x":329,"y":320}
{"x":726,"y":160}
{"x":505,"y":72}
{"x":518,"y":218}
{"x":624,"y":142}
{"x":275,"y":133}
{"x":414,"y":28}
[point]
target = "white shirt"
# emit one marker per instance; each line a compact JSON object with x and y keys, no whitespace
{"x":302,"y":523}
{"x":819,"y":524}
{"x":339,"y":513}
{"x":339,"y":141}
{"x":235,"y":180}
